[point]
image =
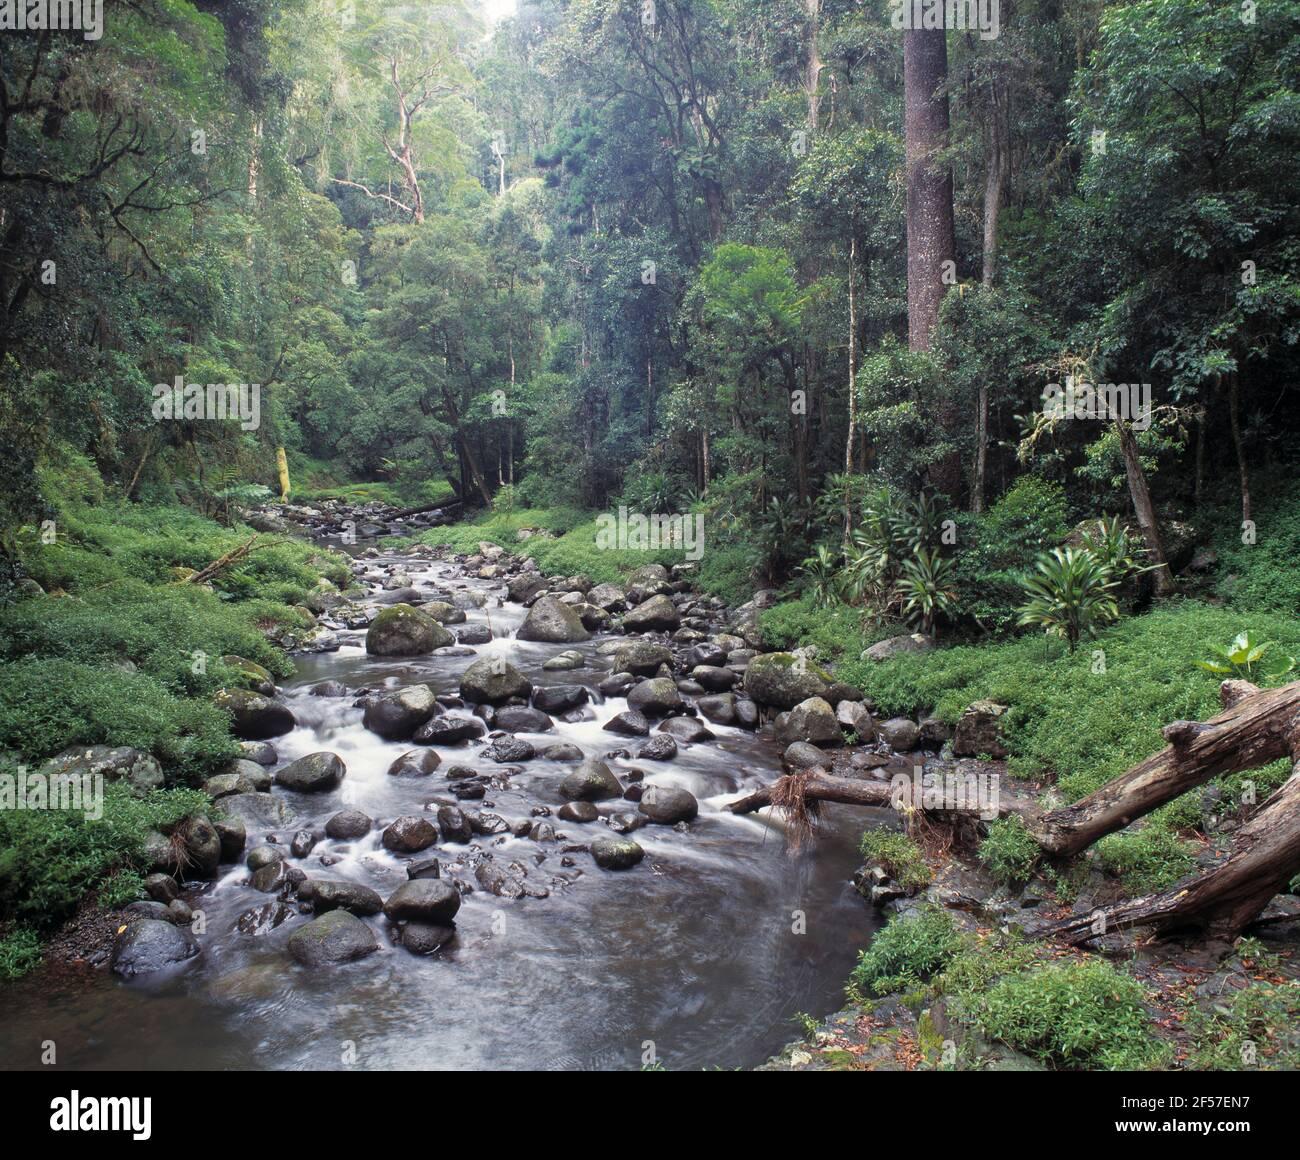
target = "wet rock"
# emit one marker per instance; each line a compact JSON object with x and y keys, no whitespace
{"x":641,"y":658}
{"x":423,"y":900}
{"x":424,"y":868}
{"x":487,"y":824}
{"x":746,"y":713}
{"x":397,"y":715}
{"x":713,"y":679}
{"x":161,"y":887}
{"x":812,"y":720}
{"x":629,"y":723}
{"x":661,"y":747}
{"x":522,"y":719}
{"x":559,"y":698}
{"x":979,"y":731}
{"x":270,"y":878}
{"x":348,"y":825}
{"x":443,"y":611}
{"x":223,"y":784}
{"x":327,"y":895}
{"x":667,"y":805}
{"x":262,"y":752}
{"x":720,"y":709}
{"x":403,"y":631}
{"x":883,"y":650}
{"x":616,"y":853}
{"x":783,"y":679}
{"x":687,"y":730}
{"x":454,"y":825}
{"x":264,"y":855}
{"x":253,"y":716}
{"x":900,"y":733}
{"x":493,"y":681}
{"x":263,"y":919}
{"x":474,"y":634}
{"x":934,"y":732}
{"x":409,"y":835}
{"x":657,"y":614}
{"x":330,"y":689}
{"x":855,"y":717}
{"x":656,"y":697}
{"x":315,"y":773}
{"x":141,"y":909}
{"x":803,"y":755}
{"x":415,"y":763}
{"x":151,"y":945}
{"x":624,"y":822}
{"x":449,"y":729}
{"x":180,"y":912}
{"x":591,"y":781}
{"x":232,"y":833}
{"x":202,"y":847}
{"x":616,"y":684}
{"x":303,"y":843}
{"x":553,"y":622}
{"x":578,"y":811}
{"x":333,"y":938}
{"x":565,"y":661}
{"x":425,"y":938}
{"x":507,"y":749}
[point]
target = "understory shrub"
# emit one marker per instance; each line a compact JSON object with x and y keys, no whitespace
{"x":906,"y":952}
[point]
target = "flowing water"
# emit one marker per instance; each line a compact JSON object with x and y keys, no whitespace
{"x":700,"y":955}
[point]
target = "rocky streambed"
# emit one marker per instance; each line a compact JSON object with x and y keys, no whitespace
{"x":484,"y":827}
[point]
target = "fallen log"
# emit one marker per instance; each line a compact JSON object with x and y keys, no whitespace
{"x":424,"y":507}
{"x":1227,"y":899}
{"x":1252,"y":730}
{"x":815,"y":786}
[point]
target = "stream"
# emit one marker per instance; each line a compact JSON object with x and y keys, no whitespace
{"x":698,"y":957}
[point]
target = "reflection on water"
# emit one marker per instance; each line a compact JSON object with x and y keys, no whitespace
{"x":694,"y":952}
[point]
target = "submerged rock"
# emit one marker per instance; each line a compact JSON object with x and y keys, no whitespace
{"x":616,"y":853}
{"x":336,"y":937}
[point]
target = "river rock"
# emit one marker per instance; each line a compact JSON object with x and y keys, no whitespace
{"x":415,"y":763}
{"x":746,"y":713}
{"x":935,"y":731}
{"x":403,"y":631}
{"x":449,"y":729}
{"x":474,"y":634}
{"x":424,"y":938}
{"x":253,"y":716}
{"x":811,"y":720}
{"x":662,"y":746}
{"x":326,"y":895}
{"x":315,"y":773}
{"x":687,"y":730}
{"x":616,"y":684}
{"x":578,"y":811}
{"x":565,"y":662}
{"x":258,"y":810}
{"x":270,"y":878}
{"x":522,"y":719}
{"x":150,"y":945}
{"x":550,"y":621}
{"x":616,"y":853}
{"x":657,"y":614}
{"x":493,"y":681}
{"x":161,"y":887}
{"x":803,"y":755}
{"x":506,"y":749}
{"x":610,"y":597}
{"x":348,"y":825}
{"x":592,"y":781}
{"x":262,"y":752}
{"x":396,"y":715}
{"x":233,"y":835}
{"x":423,"y":900}
{"x":409,"y":834}
{"x":629,"y":723}
{"x":979,"y":731}
{"x":443,"y":611}
{"x":455,"y":826}
{"x":782,"y":679}
{"x":330,"y":689}
{"x":720,"y":709}
{"x":656,"y":697}
{"x":713,"y":679}
{"x":251,"y":675}
{"x":667,"y":805}
{"x":901,"y":734}
{"x":264,"y":855}
{"x":855,"y":717}
{"x":559,"y":698}
{"x":641,"y":657}
{"x":335,"y":937}
{"x":303,"y":843}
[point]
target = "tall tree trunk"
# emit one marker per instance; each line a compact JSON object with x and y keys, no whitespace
{"x":997,"y":165}
{"x":1234,"y":418}
{"x":931,"y":238}
{"x":813,"y":63}
{"x":1143,"y":508}
{"x":853,"y":389}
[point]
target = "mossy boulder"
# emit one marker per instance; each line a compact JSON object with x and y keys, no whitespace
{"x":493,"y":681}
{"x":403,"y":631}
{"x":552,"y":622}
{"x":254,"y":717}
{"x":783,"y":680}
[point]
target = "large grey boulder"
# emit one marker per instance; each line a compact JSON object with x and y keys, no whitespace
{"x":493,"y":681}
{"x":657,"y":697}
{"x":550,"y":621}
{"x":782,"y":679}
{"x":882,"y":650}
{"x":423,"y":900}
{"x":396,"y":715}
{"x":668,"y":805}
{"x":980,"y":731}
{"x":641,"y":657}
{"x":151,"y":945}
{"x":901,"y":734}
{"x":326,"y":895}
{"x":113,"y":763}
{"x":592,"y":781}
{"x":812,"y":720}
{"x":333,"y":938}
{"x":658,"y":614}
{"x":253,"y":716}
{"x":315,"y":773}
{"x":403,"y":631}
